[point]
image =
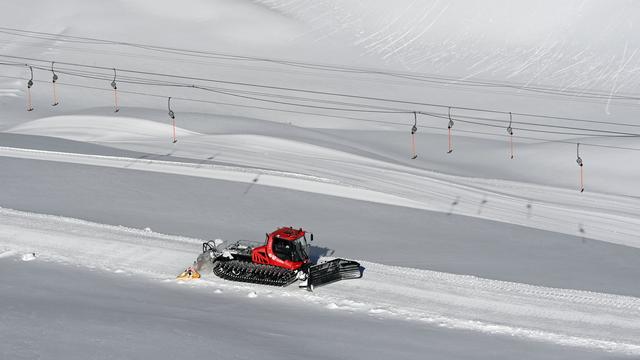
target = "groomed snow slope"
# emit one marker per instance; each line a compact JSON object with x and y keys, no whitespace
{"x":332,"y":168}
{"x":567,"y":317}
{"x":99,"y":128}
{"x":206,"y":208}
{"x":129,"y":317}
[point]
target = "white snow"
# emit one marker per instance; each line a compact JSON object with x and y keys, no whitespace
{"x":567,"y":317}
{"x":608,"y":217}
{"x":99,"y":128}
{"x":469,"y":248}
{"x":7,"y":254}
{"x":127,"y":317}
{"x":28,"y":257}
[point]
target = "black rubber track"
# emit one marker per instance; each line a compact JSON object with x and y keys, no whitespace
{"x":244,"y":271}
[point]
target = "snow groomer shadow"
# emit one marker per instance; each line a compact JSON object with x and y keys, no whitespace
{"x":318,"y":252}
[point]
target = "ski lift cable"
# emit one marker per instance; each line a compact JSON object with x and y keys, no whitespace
{"x":609,"y":135}
{"x":351,"y":104}
{"x":341,"y":68}
{"x":542,"y":116}
{"x":303,"y":105}
{"x":604,"y":96}
{"x":351,"y":118}
{"x":606,"y":123}
{"x":186,"y":85}
{"x":228,"y":104}
{"x":224,"y":103}
{"x":382,"y":122}
{"x":393,"y":110}
{"x":540,"y":131}
{"x":426,"y":113}
{"x":547,"y":125}
{"x":444,"y":83}
{"x":396,"y":111}
{"x":387,"y":110}
{"x":50,"y":36}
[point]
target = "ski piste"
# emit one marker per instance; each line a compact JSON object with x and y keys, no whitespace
{"x":551,"y":315}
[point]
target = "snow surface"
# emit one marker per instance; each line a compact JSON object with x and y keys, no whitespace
{"x":28,"y":257}
{"x":98,"y":128}
{"x":344,"y":227}
{"x":566,"y":317}
{"x":467,"y":255}
{"x":128,"y":317}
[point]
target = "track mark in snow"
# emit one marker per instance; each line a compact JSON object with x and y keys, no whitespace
{"x":346,"y":305}
{"x":29,"y":257}
{"x":562,"y":316}
{"x":98,"y":128}
{"x":10,"y":93}
{"x":163,"y":165}
{"x":610,"y":218}
{"x":7,"y":254}
{"x":379,"y":311}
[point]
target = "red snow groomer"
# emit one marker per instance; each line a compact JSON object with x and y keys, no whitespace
{"x":281,"y":260}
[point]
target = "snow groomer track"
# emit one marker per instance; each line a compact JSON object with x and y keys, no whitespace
{"x":568,"y":317}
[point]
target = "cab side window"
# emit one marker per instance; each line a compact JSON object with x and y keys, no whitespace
{"x":282,"y":248}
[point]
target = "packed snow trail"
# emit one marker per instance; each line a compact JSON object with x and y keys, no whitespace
{"x":567,"y":317}
{"x":121,"y":316}
{"x":609,"y":218}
